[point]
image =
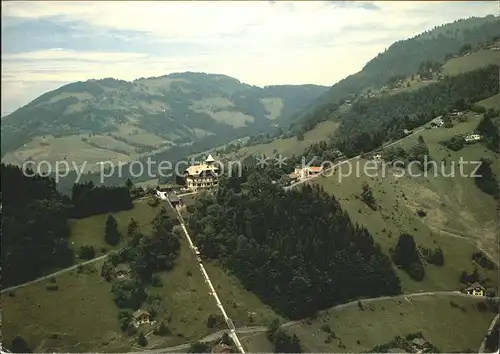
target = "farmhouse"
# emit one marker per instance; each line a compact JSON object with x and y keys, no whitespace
{"x":472,"y":138}
{"x":202,"y":176}
{"x":141,"y":317}
{"x":123,"y":271}
{"x":476,"y":289}
{"x":419,"y":345}
{"x":307,"y":171}
{"x":456,"y":113}
{"x":437,"y":122}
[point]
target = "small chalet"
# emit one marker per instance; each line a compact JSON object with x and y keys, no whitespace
{"x":221,"y":348}
{"x":407,"y":132}
{"x":456,"y":113}
{"x":472,"y":138}
{"x":437,"y":122}
{"x":308,"y":171}
{"x":293,"y":177}
{"x":476,"y":289}
{"x":123,"y":271}
{"x":141,"y":317}
{"x":377,"y":157}
{"x":419,"y":344}
{"x":174,"y":200}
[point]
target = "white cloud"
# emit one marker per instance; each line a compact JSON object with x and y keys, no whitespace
{"x":257,"y":42}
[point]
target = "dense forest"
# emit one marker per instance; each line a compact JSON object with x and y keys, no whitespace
{"x":34,"y":227}
{"x":372,"y":121}
{"x":297,"y":250}
{"x":403,"y":58}
{"x":89,"y":199}
{"x":35,"y":216}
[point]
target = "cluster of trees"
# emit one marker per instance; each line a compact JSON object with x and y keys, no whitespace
{"x":281,"y":243}
{"x":486,"y":179}
{"x":34,"y":226}
{"x":435,"y":256}
{"x":372,"y":121}
{"x":483,"y":260}
{"x":282,"y":341}
{"x":489,"y":130}
{"x":454,"y":143}
{"x":405,"y":255}
{"x":367,"y":196}
{"x":403,"y":58}
{"x":89,"y":199}
{"x":146,"y":255}
{"x":111,"y":233}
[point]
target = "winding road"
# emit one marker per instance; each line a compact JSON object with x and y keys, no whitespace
{"x":260,"y":329}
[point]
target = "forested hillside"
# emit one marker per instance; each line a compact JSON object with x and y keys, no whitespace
{"x":404,"y":58}
{"x":121,"y":119}
{"x":297,"y":250}
{"x":372,"y":121}
{"x":35,"y":216}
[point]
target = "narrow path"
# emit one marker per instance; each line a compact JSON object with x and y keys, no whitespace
{"x":260,"y":329}
{"x":229,"y":322}
{"x":59,"y":272}
{"x":352,"y":158}
{"x":490,"y":329}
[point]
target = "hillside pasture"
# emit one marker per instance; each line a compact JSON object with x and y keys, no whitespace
{"x":290,"y":146}
{"x":471,"y":62}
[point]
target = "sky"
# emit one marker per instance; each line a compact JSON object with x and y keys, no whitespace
{"x":48,"y":44}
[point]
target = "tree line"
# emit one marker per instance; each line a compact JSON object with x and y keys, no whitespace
{"x":35,"y":215}
{"x":282,"y":244}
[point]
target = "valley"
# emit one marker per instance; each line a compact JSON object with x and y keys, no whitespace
{"x":386,"y":242}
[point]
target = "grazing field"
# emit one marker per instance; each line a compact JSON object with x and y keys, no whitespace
{"x":53,"y":149}
{"x":242,"y":306}
{"x":471,"y":62}
{"x":186,"y":301}
{"x":290,"y":146}
{"x":451,"y":323}
{"x":492,"y":102}
{"x":452,"y":204}
{"x":80,"y":316}
{"x":90,"y":230}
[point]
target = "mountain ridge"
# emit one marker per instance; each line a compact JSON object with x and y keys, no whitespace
{"x":176,"y":108}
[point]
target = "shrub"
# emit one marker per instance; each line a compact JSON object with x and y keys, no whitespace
{"x":326,"y":328}
{"x":86,"y":252}
{"x":141,"y":340}
{"x":52,"y":287}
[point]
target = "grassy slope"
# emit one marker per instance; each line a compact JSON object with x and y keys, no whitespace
{"x":81,"y":312}
{"x":290,"y":146}
{"x":449,"y":328}
{"x":90,"y":230}
{"x":453,"y":204}
{"x":470,"y":62}
{"x":35,"y":313}
{"x":492,"y":102}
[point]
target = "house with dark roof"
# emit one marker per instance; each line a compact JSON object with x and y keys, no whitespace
{"x":476,"y":289}
{"x":419,"y":344}
{"x":141,"y":317}
{"x":174,"y":199}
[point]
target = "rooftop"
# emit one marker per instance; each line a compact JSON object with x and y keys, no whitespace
{"x":139,"y":313}
{"x":475,"y":286}
{"x":210,"y":158}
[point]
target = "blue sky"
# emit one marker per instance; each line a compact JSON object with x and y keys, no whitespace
{"x":48,"y":44}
